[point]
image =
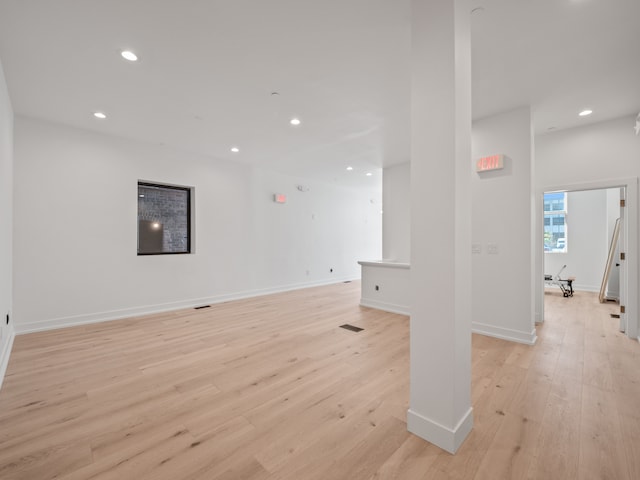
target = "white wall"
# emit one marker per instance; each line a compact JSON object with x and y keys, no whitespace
{"x":607,"y":150}
{"x":396,"y":204}
{"x":75,"y":229}
{"x":386,"y":286}
{"x":587,"y":243}
{"x":6,"y":224}
{"x":502,"y":216}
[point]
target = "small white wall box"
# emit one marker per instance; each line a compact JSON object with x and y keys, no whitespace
{"x":492,"y":162}
{"x":279,"y":198}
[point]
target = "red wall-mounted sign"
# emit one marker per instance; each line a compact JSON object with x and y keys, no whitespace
{"x":492,"y":162}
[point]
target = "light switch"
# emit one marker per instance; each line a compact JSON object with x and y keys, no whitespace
{"x":476,"y":248}
{"x":492,"y":248}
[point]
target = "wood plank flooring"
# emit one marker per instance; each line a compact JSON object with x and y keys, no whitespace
{"x":270,"y":388}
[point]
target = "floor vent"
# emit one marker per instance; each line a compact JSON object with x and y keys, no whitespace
{"x":348,"y":281}
{"x":614,"y":315}
{"x":351,"y":327}
{"x":203,"y":306}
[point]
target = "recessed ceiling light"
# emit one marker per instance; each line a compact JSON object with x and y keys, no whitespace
{"x":295,"y":121}
{"x":235,"y":149}
{"x":129,"y":55}
{"x":349,"y":168}
{"x":99,"y":115}
{"x":369,"y":174}
{"x":141,"y":195}
{"x":586,"y":112}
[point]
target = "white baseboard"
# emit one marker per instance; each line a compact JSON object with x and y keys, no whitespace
{"x":72,"y":321}
{"x":577,"y":287}
{"x":387,"y":307}
{"x":528,"y":338}
{"x":586,"y":288}
{"x":441,"y":436}
{"x":6,"y":353}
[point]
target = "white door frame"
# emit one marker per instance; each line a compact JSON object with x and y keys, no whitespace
{"x":629,"y":238}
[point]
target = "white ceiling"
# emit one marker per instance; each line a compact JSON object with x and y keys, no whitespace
{"x":208,"y":68}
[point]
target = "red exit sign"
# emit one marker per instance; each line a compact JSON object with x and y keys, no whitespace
{"x":492,"y":162}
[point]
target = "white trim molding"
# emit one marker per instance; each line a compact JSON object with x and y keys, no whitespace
{"x":446,"y":438}
{"x":6,"y":353}
{"x":387,"y":307}
{"x":385,"y":264}
{"x":528,"y":338}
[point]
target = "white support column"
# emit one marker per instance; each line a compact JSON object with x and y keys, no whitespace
{"x":440,"y":404}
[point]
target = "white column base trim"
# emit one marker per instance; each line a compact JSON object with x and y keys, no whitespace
{"x":528,"y":338}
{"x":4,"y":360}
{"x":441,"y":436}
{"x":387,"y":307}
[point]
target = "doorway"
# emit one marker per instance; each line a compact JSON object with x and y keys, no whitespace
{"x":558,"y":245}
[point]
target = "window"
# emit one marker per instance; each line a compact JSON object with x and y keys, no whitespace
{"x":164,"y":219}
{"x":555,"y":222}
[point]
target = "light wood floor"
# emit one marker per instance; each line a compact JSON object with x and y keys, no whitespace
{"x":271,"y":388}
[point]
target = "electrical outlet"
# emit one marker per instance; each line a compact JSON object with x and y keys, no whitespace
{"x":331,"y":270}
{"x":377,"y":287}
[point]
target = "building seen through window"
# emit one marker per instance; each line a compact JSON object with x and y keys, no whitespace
{"x":555,"y":222}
